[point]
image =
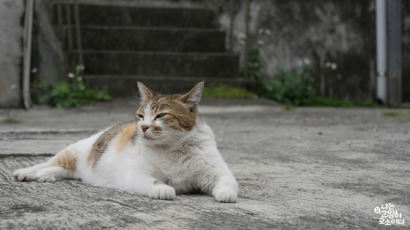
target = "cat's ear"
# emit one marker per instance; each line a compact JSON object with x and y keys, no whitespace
{"x":194,"y":95}
{"x":145,"y":93}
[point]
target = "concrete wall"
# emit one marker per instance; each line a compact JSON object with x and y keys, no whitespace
{"x":48,"y":55}
{"x":333,"y":39}
{"x":11,"y":51}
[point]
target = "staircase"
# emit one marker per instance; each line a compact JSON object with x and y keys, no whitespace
{"x":169,"y":49}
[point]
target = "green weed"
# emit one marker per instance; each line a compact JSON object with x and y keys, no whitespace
{"x":11,"y":121}
{"x":224,"y":91}
{"x":67,"y":93}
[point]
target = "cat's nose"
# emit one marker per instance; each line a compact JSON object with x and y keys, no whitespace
{"x":144,"y":128}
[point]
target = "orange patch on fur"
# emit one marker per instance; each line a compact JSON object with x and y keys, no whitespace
{"x":66,"y":159}
{"x":101,"y":144}
{"x":126,"y":135}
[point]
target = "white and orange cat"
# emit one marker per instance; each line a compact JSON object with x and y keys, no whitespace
{"x":166,"y":150}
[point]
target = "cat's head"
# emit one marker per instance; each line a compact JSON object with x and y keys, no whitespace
{"x":163,"y":119}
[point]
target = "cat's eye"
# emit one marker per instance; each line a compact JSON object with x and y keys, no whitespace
{"x":140,"y":116}
{"x":161,"y":115}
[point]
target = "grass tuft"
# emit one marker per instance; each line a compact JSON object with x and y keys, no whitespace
{"x":225,"y":91}
{"x":396,"y":114}
{"x":335,"y":102}
{"x":11,"y":121}
{"x":390,"y":114}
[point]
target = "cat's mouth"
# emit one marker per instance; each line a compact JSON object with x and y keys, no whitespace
{"x":147,"y":136}
{"x":150,"y":136}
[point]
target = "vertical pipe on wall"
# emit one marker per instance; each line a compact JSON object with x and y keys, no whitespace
{"x":28,"y":26}
{"x":381,"y":50}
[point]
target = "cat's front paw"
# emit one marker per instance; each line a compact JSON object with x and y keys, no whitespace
{"x":46,"y":178}
{"x":24,"y":174}
{"x":225,"y":195}
{"x":163,"y":192}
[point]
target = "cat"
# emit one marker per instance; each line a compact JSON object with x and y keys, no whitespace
{"x":166,"y":150}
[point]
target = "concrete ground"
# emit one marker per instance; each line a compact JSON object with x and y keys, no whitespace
{"x":304,"y":168}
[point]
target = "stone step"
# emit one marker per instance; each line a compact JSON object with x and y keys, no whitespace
{"x":126,"y":85}
{"x":212,"y":65}
{"x":151,"y":39}
{"x":109,"y":15}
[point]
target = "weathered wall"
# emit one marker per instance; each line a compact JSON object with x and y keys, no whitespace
{"x":334,"y":39}
{"x":11,"y":13}
{"x":48,"y":56}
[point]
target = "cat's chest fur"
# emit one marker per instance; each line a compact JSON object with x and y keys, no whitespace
{"x":187,"y":160}
{"x":178,"y":167}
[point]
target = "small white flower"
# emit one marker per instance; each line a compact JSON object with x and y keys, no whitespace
{"x":260,"y":43}
{"x":70,"y":75}
{"x":331,"y":65}
{"x":267,"y":32}
{"x":241,"y":36}
{"x":306,"y":61}
{"x":80,"y":68}
{"x":34,"y":70}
